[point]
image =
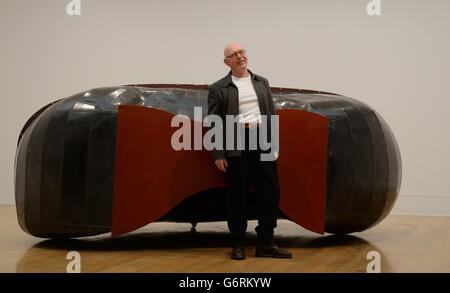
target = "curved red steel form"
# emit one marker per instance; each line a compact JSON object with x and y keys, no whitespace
{"x":151,"y":177}
{"x":302,"y":167}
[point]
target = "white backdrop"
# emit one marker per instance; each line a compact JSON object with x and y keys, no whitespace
{"x":396,"y":62}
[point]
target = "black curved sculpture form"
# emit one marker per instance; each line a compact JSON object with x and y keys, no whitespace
{"x":67,"y":178}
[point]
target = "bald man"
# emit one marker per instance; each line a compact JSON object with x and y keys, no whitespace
{"x":246,"y":97}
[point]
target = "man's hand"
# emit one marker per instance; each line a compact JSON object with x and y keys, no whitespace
{"x":221,"y":164}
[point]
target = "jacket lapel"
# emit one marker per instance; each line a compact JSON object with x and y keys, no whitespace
{"x":233,"y":100}
{"x":233,"y":94}
{"x":261,"y":96}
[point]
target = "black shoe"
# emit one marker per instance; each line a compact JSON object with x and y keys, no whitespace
{"x":271,"y":250}
{"x":238,"y":252}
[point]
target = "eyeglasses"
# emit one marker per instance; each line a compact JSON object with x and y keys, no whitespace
{"x":241,"y":52}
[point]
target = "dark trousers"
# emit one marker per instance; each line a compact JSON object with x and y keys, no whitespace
{"x":263,"y":175}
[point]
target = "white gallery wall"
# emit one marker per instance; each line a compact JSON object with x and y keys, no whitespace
{"x":397,"y":62}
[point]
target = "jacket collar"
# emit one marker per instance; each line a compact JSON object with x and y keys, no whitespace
{"x":230,"y":81}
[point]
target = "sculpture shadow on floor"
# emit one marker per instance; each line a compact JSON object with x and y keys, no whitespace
{"x":146,"y":242}
{"x":167,"y":240}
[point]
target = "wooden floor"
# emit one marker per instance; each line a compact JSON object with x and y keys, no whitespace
{"x":405,"y":243}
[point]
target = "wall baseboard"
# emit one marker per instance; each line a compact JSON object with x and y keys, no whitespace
{"x":7,"y":196}
{"x":425,"y":205}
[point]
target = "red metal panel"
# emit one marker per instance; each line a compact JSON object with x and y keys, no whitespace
{"x":151,"y":178}
{"x":302,"y":167}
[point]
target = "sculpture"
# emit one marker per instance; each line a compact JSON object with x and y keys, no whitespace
{"x":99,"y":161}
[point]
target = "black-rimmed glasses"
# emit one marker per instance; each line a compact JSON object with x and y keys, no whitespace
{"x":241,"y":52}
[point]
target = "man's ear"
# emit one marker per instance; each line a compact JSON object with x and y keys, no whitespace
{"x":225,"y":60}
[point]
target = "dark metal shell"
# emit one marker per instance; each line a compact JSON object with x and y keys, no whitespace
{"x":64,"y":167}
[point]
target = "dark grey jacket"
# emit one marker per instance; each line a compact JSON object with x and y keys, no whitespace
{"x":223,"y":99}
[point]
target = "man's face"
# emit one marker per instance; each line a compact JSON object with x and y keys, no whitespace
{"x":236,"y":58}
